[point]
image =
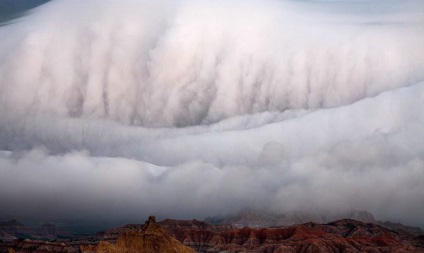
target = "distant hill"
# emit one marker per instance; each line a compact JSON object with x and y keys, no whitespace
{"x":257,"y":219}
{"x":253,"y":218}
{"x":10,"y":223}
{"x":13,"y":229}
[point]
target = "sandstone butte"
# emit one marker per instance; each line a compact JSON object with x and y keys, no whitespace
{"x":152,"y":238}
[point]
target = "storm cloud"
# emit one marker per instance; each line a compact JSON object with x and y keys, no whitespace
{"x":188,"y":109}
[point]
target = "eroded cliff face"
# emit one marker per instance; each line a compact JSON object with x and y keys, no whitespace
{"x":150,"y":239}
{"x":340,"y":236}
{"x":190,"y":236}
{"x":344,"y":235}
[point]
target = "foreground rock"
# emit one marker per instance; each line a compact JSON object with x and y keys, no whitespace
{"x":175,"y":236}
{"x":345,"y":235}
{"x":151,"y":239}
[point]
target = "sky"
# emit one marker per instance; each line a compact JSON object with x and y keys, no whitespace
{"x":11,"y":9}
{"x":193,"y":108}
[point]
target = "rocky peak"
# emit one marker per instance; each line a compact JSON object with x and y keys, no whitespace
{"x":150,"y":220}
{"x":152,"y":228}
{"x":151,"y":238}
{"x":150,"y":223}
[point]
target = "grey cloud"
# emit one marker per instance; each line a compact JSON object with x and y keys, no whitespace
{"x":200,"y":108}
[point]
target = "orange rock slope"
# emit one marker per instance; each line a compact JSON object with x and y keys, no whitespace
{"x":151,"y":239}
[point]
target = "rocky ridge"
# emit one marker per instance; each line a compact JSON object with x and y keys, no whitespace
{"x":339,"y":236}
{"x":188,"y":236}
{"x":257,"y":219}
{"x":13,"y":229}
{"x":152,"y":238}
{"x":345,"y":235}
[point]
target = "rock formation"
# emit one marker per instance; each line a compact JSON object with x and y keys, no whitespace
{"x":340,"y":236}
{"x":151,"y":239}
{"x":189,"y":236}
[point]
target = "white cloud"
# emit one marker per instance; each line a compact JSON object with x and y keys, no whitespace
{"x":199,"y":108}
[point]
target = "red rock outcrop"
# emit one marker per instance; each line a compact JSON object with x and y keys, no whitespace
{"x":340,"y":236}
{"x":171,"y":236}
{"x":29,"y":246}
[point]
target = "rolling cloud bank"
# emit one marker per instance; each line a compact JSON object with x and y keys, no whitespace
{"x":120,"y":109}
